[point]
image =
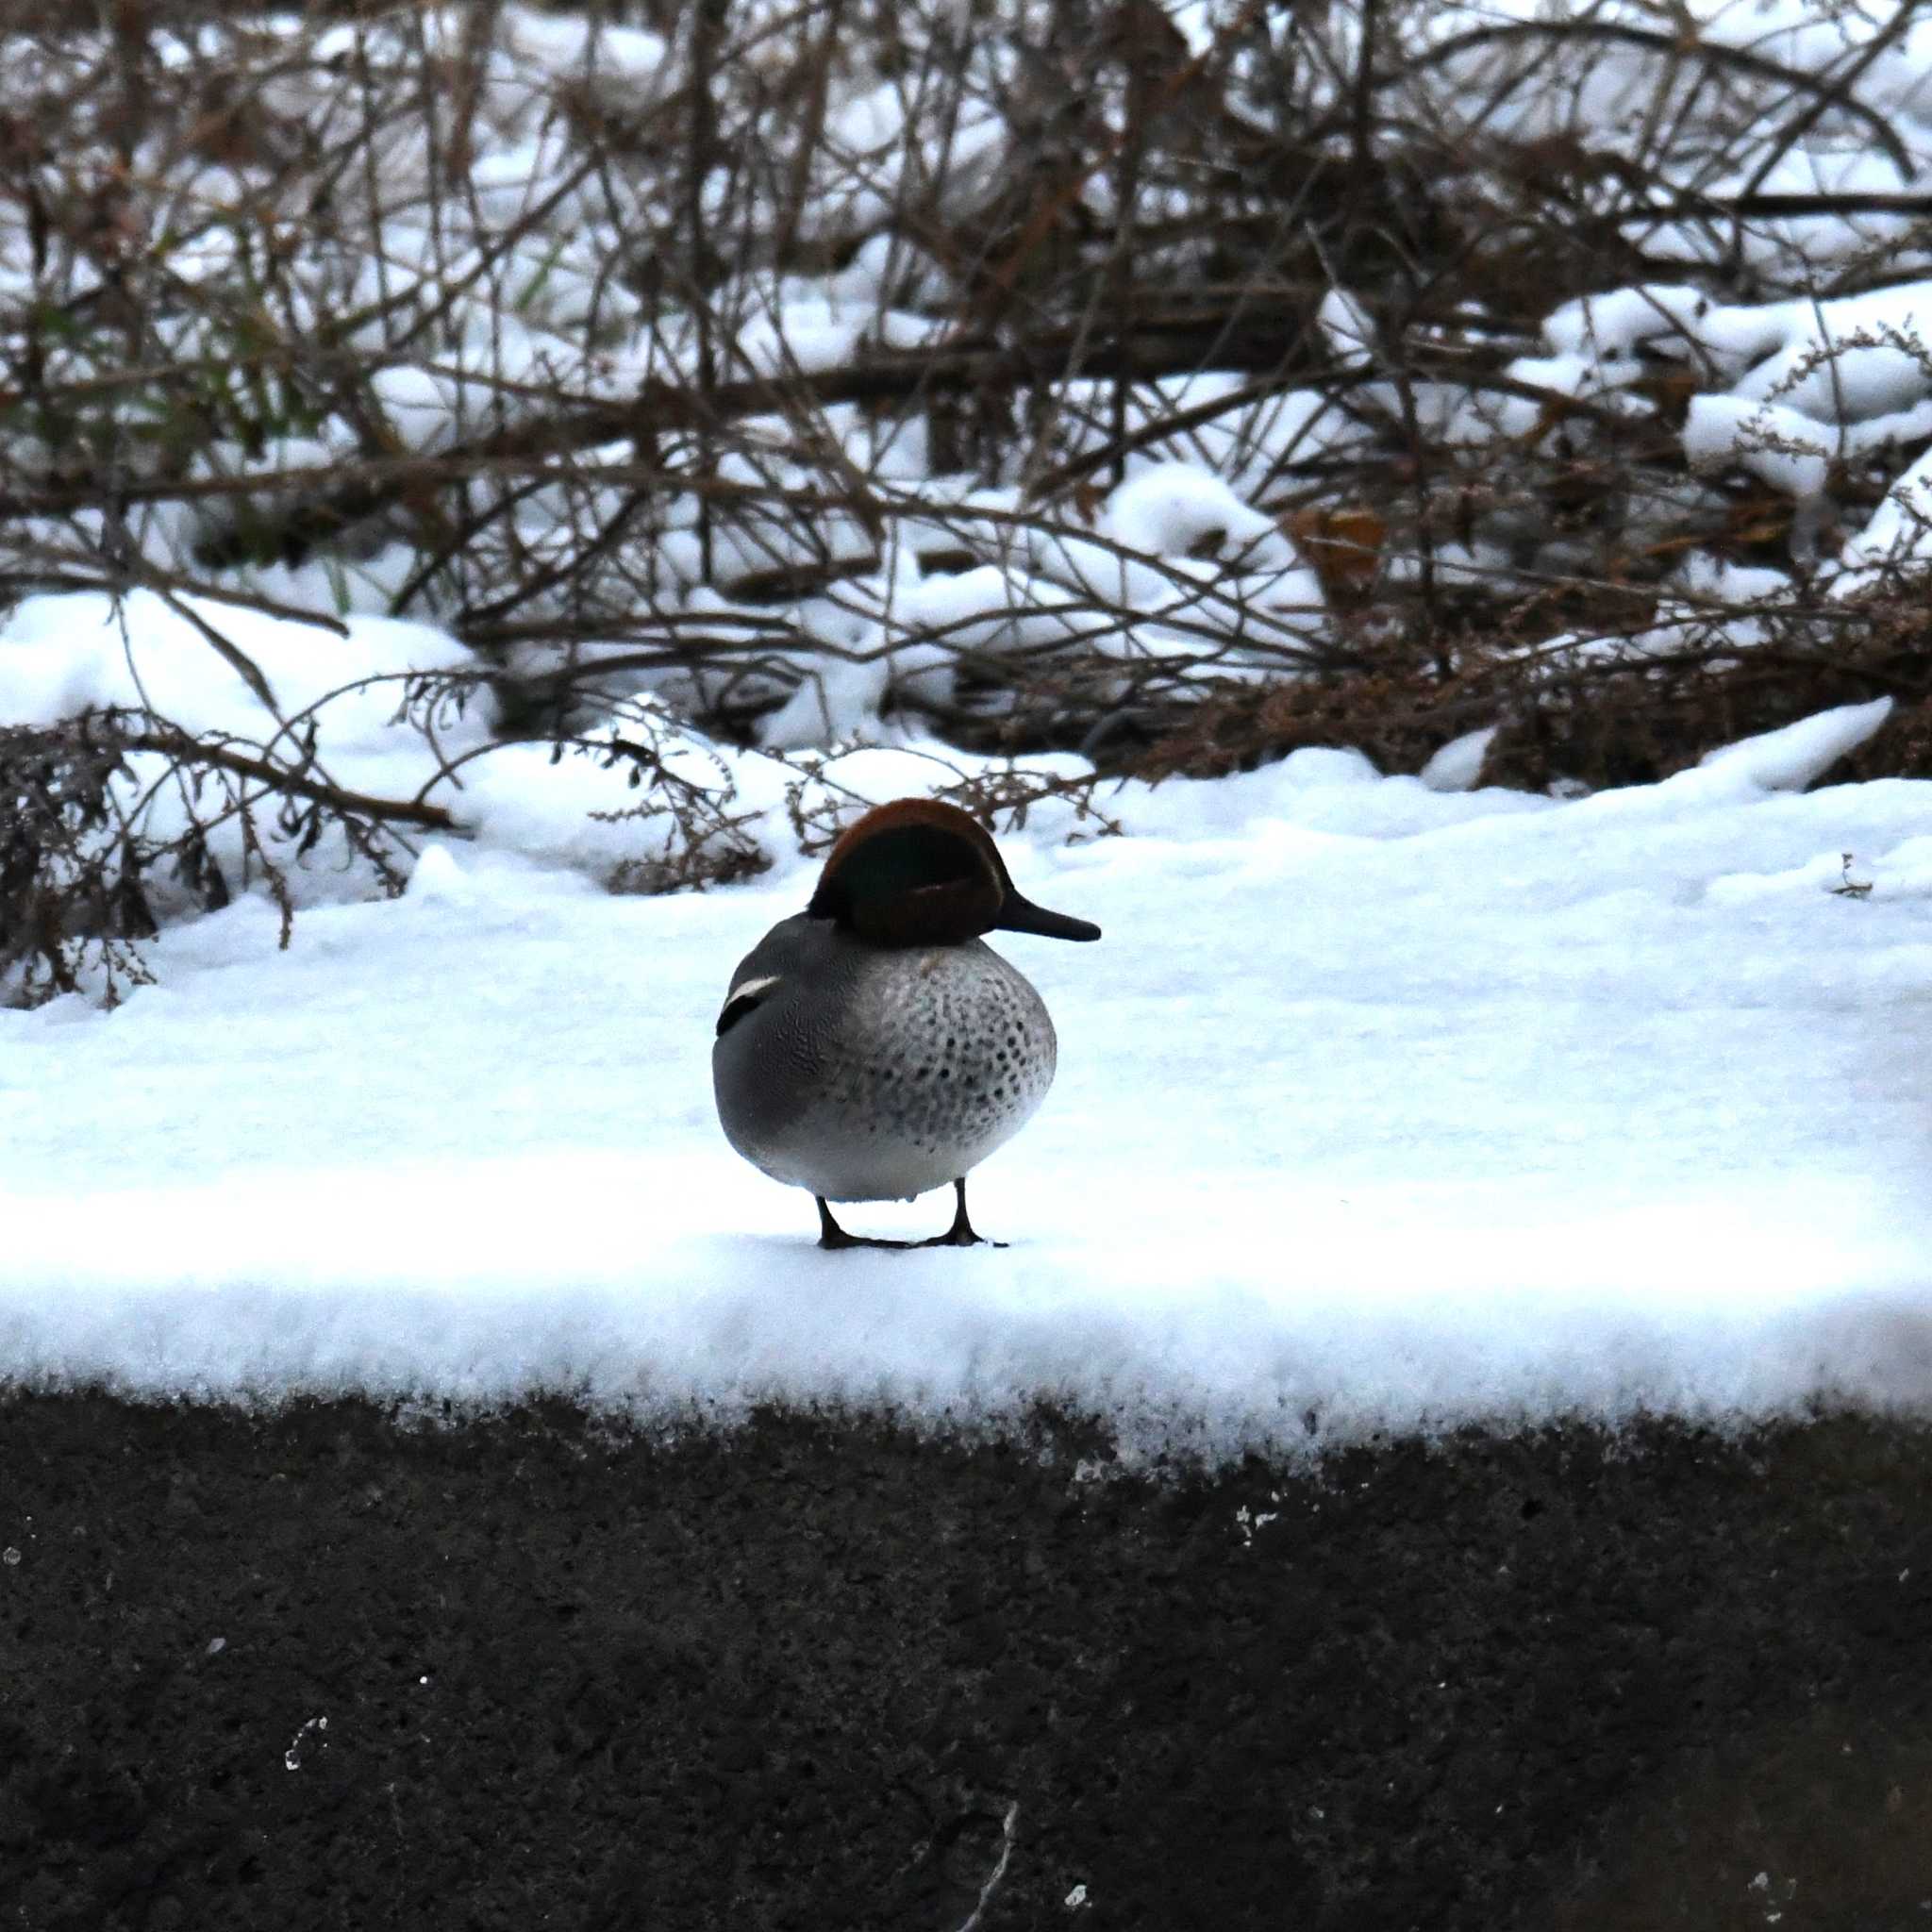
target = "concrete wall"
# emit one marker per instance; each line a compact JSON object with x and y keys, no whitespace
{"x":825,"y":1676}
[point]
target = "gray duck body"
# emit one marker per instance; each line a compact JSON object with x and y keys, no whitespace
{"x":867,"y":1072}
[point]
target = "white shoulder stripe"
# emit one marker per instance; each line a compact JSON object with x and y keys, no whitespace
{"x":743,"y":999}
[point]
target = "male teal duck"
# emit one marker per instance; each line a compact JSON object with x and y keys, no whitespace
{"x":873,"y":1046}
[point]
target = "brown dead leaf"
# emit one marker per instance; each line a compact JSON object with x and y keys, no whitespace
{"x":1343,"y":546}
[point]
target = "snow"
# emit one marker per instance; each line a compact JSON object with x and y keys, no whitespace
{"x":1460,"y":763}
{"x":59,"y":655}
{"x":474,"y":308}
{"x":1386,"y":1104}
{"x":1776,"y":444}
{"x":1167,"y":509}
{"x":1390,"y":1101}
{"x":1798,"y":756}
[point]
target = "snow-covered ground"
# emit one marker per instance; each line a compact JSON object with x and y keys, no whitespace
{"x":1382,"y":1105}
{"x":1385,"y":1104}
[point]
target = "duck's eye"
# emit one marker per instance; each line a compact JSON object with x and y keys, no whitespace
{"x":741,"y":999}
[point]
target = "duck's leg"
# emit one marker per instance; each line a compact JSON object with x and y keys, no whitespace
{"x":960,"y":1233}
{"x":832,"y":1235}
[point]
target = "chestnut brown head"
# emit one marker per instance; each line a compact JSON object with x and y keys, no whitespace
{"x":917,"y":873}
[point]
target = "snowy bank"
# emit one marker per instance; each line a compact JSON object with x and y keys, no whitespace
{"x":1382,"y":1107}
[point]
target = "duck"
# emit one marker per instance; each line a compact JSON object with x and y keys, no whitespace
{"x":874,"y":1047}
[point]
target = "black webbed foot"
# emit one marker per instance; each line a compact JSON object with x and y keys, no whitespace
{"x":960,"y":1235}
{"x":832,"y":1235}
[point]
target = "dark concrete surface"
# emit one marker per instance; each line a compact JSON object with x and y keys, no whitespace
{"x":824,"y":1674}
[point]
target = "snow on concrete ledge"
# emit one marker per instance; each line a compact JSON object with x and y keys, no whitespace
{"x":1380,"y":1109}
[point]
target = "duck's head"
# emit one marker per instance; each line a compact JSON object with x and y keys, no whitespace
{"x":916,"y":873}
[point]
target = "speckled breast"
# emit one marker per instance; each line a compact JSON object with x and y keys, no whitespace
{"x":937,"y":1056}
